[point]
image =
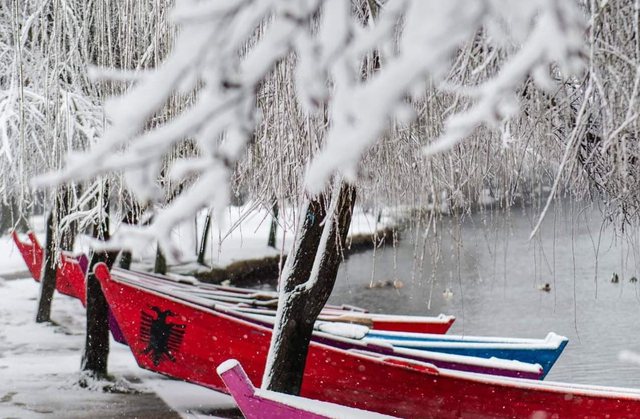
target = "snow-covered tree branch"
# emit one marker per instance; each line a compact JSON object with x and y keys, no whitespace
{"x":225,"y":53}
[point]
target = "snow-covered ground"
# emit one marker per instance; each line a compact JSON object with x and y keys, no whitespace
{"x":40,"y":363}
{"x":243,"y":234}
{"x":40,"y":369}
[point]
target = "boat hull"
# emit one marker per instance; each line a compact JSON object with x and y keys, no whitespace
{"x":70,"y":281}
{"x":189,"y":340}
{"x":70,"y":273}
{"x":505,"y":368}
{"x":541,"y":351}
{"x":347,"y":337}
{"x":545,"y":357}
{"x":383,"y":322}
{"x":70,"y":276}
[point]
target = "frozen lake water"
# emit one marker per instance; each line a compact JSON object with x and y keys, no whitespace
{"x":495,"y":276}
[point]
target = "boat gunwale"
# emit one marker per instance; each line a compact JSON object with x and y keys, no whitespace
{"x":517,"y":346}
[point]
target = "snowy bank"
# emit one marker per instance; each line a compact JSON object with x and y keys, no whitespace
{"x":40,"y":369}
{"x":236,"y":248}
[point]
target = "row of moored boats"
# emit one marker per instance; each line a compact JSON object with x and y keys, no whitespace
{"x":359,"y":364}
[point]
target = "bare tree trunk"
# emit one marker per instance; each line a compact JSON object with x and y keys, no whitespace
{"x":11,"y":217}
{"x":160,"y":266}
{"x":125,"y":260}
{"x":131,"y":218}
{"x":205,"y":238}
{"x":61,"y":207}
{"x":271,"y":242}
{"x":96,"y":349}
{"x":6,"y":215}
{"x":68,"y":236}
{"x":48,"y":275}
{"x":308,"y":279}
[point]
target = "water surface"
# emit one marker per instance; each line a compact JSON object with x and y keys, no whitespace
{"x":495,"y":275}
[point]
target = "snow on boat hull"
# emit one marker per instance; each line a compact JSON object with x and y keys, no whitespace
{"x":257,"y":403}
{"x":185,"y":341}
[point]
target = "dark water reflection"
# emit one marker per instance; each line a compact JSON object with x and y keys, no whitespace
{"x":495,"y":277}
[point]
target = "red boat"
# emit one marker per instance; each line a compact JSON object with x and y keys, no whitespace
{"x":348,"y":337}
{"x":389,"y":322}
{"x":231,"y":305}
{"x":70,"y":276}
{"x":70,"y":281}
{"x":186,"y":341}
{"x":70,"y":273}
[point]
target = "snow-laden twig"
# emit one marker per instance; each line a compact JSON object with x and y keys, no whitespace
{"x":227,"y":56}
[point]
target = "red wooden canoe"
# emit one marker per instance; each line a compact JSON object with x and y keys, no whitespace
{"x":70,"y":277}
{"x":508,"y":368}
{"x":339,"y":335}
{"x":259,"y":404}
{"x":31,"y":253}
{"x":70,"y":274}
{"x":186,"y":341}
{"x":388,"y":322}
{"x":70,"y":281}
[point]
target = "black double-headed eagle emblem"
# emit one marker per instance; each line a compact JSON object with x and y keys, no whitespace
{"x":162,"y":339}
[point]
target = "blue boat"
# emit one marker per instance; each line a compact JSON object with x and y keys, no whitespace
{"x":541,"y":351}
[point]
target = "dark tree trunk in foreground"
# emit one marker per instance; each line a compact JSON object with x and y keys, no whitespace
{"x":302,"y":296}
{"x":62,"y":204}
{"x":96,"y":349}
